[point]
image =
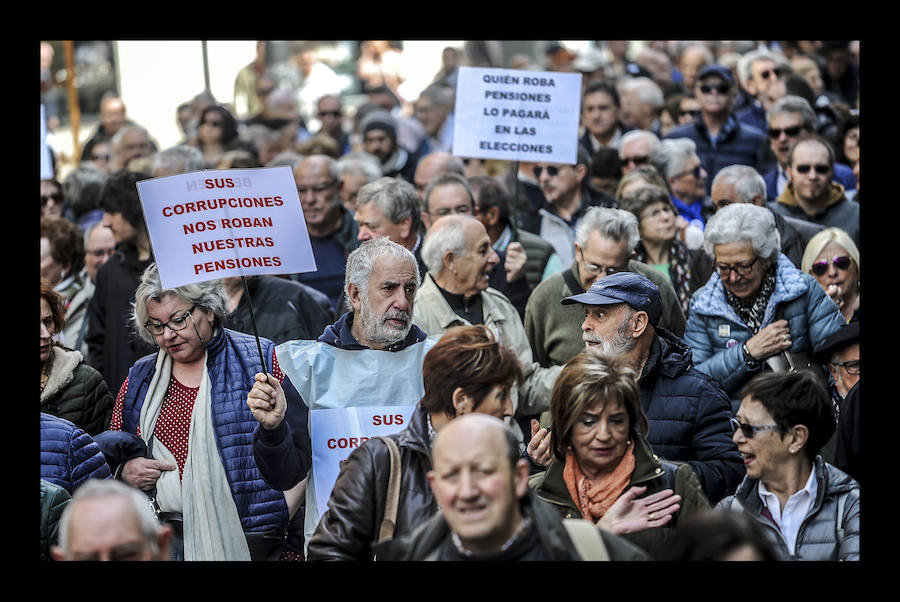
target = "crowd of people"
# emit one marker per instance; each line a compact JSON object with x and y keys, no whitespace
{"x":650,"y":353}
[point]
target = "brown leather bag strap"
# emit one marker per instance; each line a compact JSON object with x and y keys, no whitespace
{"x":393,"y":492}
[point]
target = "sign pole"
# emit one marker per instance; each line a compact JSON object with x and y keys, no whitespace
{"x":515,"y":208}
{"x":253,"y":320}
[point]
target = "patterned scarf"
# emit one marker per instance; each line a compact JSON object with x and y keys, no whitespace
{"x":594,"y":499}
{"x":679,"y":269}
{"x":752,"y":311}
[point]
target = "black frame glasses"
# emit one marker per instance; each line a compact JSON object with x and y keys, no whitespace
{"x":743,"y":269}
{"x":749,"y":430}
{"x":841,"y":262}
{"x":851,"y":366}
{"x":175,"y":324}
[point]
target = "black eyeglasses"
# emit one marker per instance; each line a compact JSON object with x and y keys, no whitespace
{"x":841,"y":262}
{"x":790,"y":132}
{"x":765,"y":74}
{"x":552,"y":170}
{"x":743,"y":268}
{"x":55,"y":197}
{"x":821,"y":168}
{"x":696,"y":172}
{"x":852,"y":366}
{"x":750,"y":430}
{"x":721,"y":88}
{"x":635,"y":160}
{"x":329,"y":113}
{"x":175,"y":324}
{"x":593,"y":268}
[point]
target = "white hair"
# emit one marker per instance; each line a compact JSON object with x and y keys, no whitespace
{"x":361,"y":262}
{"x":615,"y":224}
{"x":743,"y":221}
{"x":745,"y":180}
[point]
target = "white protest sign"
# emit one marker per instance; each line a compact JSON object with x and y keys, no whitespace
{"x":517,"y":115}
{"x":46,"y":163}
{"x":337,"y":432}
{"x":220,"y":223}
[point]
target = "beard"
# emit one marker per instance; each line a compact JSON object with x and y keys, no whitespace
{"x":621,"y":342}
{"x":376,"y":329}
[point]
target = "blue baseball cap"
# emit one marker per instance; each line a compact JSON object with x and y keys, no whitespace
{"x":623,"y":287}
{"x":716,"y":69}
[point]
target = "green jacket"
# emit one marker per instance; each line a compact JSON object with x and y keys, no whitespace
{"x":649,"y":471}
{"x":554,"y":330}
{"x":54,"y":500}
{"x":77,"y":393}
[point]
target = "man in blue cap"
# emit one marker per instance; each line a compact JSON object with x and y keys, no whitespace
{"x":688,"y":411}
{"x":721,"y":139}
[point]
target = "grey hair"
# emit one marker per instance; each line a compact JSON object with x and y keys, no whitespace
{"x":361,"y":163}
{"x":647,"y":90}
{"x":746,"y":181}
{"x":742,"y":221}
{"x":90,"y":230}
{"x":179,"y":159}
{"x":794,"y":104}
{"x":438,"y":94}
{"x":209,"y":296}
{"x":361,"y":263}
{"x":449,"y":237}
{"x":637,"y":135}
{"x":616,"y":224}
{"x":108,"y":488}
{"x":446,"y":179}
{"x":671,"y":156}
{"x":289,"y":158}
{"x":82,"y":187}
{"x":257,"y":133}
{"x":745,"y":64}
{"x":395,"y":197}
{"x":128,"y":127}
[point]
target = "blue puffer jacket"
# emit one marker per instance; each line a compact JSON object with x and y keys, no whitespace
{"x":232,"y":361}
{"x":69,"y":455}
{"x":689,"y":416}
{"x":716,"y":334}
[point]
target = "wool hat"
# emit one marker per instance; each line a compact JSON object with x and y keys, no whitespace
{"x":379,"y":119}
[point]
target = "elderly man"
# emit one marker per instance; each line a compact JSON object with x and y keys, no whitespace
{"x":743,"y":184}
{"x":456,"y":290}
{"x":642,"y":101}
{"x":757,"y":71}
{"x":432,"y":165}
{"x":600,"y":117}
{"x":605,"y":242}
{"x":720,"y":138}
{"x":330,"y":113}
{"x":688,"y":411}
{"x":678,"y":162}
{"x":568,"y":197}
{"x":358,"y":168}
{"x":381,"y":285}
{"x":332,"y":229}
{"x":434,"y":110}
{"x":476,"y":466}
{"x":811,"y":193}
{"x":108,"y":520}
{"x":635,"y":149}
{"x":177,"y":160}
{"x":390,"y":207}
{"x":99,"y":246}
{"x":130,"y":142}
{"x":378,"y":129}
{"x":790,"y":118}
{"x":112,"y":118}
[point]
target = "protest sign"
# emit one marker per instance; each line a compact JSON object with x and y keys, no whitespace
{"x":220,"y":223}
{"x":46,"y":164}
{"x":517,"y":115}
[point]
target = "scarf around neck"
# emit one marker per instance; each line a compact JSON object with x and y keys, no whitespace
{"x":594,"y":499}
{"x":752,"y":311}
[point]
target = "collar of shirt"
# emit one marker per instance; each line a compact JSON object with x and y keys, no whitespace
{"x":795,"y":510}
{"x":503,"y":240}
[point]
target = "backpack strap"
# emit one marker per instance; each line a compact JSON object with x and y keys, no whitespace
{"x":586,"y":537}
{"x":393,"y":492}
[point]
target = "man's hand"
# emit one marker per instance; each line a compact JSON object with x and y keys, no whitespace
{"x":266,"y":401}
{"x":515,"y":261}
{"x":144,"y":472}
{"x":539,"y":446}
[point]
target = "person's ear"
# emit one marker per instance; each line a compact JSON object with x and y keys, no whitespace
{"x":520,"y":478}
{"x":355,"y":296}
{"x":639,"y":322}
{"x":405,"y":227}
{"x":581,"y":171}
{"x":799,"y":435}
{"x":461,"y":402}
{"x":450,"y":262}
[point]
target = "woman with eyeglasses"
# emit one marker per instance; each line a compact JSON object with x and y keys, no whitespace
{"x":832,"y":258}
{"x":603,"y":469}
{"x":807,"y":508}
{"x":217,"y":131}
{"x":757,"y":304}
{"x":182,"y":432}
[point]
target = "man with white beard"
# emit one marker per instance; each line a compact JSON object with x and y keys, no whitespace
{"x":381,"y":282}
{"x":688,"y":411}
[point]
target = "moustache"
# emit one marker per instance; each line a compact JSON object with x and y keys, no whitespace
{"x":396,"y":315}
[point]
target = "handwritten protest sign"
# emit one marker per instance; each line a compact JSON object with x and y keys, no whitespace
{"x":221,"y":223}
{"x":517,"y":115}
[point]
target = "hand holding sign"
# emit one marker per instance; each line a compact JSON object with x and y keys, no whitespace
{"x":266,"y":401}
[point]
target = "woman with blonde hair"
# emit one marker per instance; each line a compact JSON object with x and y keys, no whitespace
{"x":832,"y":258}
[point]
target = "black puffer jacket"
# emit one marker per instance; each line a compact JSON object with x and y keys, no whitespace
{"x":77,"y":393}
{"x":349,"y":528}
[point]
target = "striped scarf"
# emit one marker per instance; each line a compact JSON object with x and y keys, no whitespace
{"x":752,"y":311}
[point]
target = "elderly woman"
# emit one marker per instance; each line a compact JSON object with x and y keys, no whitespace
{"x":603,"y":468}
{"x":756,"y":304}
{"x":660,"y":245}
{"x":808,"y":509}
{"x":62,"y":262}
{"x":832,"y":258}
{"x":467,"y":370}
{"x":70,"y":388}
{"x":191,"y":442}
{"x":217,"y":130}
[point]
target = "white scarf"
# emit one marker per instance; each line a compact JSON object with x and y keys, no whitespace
{"x":212,"y":526}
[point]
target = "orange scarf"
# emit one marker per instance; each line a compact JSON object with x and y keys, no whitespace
{"x":595,"y":499}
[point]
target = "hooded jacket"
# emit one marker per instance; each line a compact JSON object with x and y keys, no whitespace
{"x":77,"y":392}
{"x":836,"y":212}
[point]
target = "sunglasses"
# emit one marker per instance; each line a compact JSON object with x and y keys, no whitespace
{"x":820,"y":168}
{"x":721,"y":88}
{"x":635,"y":160}
{"x":691,"y":172}
{"x":55,"y":197}
{"x":765,"y":74}
{"x":789,"y":132}
{"x":750,"y":430}
{"x":329,"y":113}
{"x":552,"y":170}
{"x":820,"y":267}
